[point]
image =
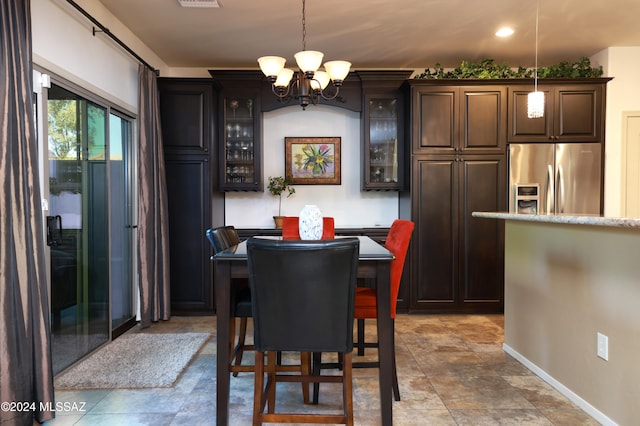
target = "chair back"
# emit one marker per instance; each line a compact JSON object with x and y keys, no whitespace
{"x":222,"y":237}
{"x":218,"y":239}
{"x":291,"y":228}
{"x":231,"y":235}
{"x":303,"y":294}
{"x":397,"y":243}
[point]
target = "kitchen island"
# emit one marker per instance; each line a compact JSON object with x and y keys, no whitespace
{"x":568,"y":278}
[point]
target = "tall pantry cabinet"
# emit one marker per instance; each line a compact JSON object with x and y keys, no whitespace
{"x":457,"y":166}
{"x":195,"y":204}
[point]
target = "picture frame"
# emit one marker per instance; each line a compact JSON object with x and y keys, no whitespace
{"x":312,"y":160}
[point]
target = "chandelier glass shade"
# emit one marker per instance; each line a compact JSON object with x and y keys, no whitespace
{"x":308,"y":84}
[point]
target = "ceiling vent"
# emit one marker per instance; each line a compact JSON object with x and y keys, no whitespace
{"x":200,"y":3}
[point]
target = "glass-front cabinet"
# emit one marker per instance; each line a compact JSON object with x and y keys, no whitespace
{"x":240,"y":135}
{"x":383,"y":131}
{"x":239,"y":143}
{"x":382,"y":156}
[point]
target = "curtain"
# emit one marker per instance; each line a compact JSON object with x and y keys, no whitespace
{"x":26,"y":373}
{"x":153,"y":216}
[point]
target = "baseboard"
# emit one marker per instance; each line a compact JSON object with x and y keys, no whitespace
{"x":575,"y":398}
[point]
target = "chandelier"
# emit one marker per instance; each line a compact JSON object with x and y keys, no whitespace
{"x":308,"y":83}
{"x":535,"y":99}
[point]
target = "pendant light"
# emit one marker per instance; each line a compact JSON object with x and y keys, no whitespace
{"x":535,"y":99}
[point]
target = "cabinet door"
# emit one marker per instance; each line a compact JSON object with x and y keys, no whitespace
{"x":435,"y":123}
{"x":578,"y":114}
{"x":458,"y":260}
{"x":521,"y":128}
{"x":435,"y":248}
{"x":189,"y":199}
{"x":383,"y":141}
{"x":482,"y":119}
{"x":573,"y":113}
{"x":240,"y":155}
{"x":481,"y":252}
{"x":460,"y":120}
{"x":185,"y":114}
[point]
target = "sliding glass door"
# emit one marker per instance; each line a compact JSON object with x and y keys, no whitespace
{"x":89,"y":228}
{"x":77,"y":225}
{"x":122,"y":228}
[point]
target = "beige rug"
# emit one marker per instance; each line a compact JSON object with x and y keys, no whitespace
{"x":136,"y":360}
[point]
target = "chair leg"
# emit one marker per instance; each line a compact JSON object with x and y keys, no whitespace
{"x":239,"y":348}
{"x":347,"y":388}
{"x":317,"y":361}
{"x":305,"y":370}
{"x":360,"y":327}
{"x":271,"y":382}
{"x":258,"y":389}
{"x":396,"y":388}
{"x":232,"y":335}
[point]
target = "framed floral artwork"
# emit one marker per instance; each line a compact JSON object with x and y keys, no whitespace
{"x":312,"y":161}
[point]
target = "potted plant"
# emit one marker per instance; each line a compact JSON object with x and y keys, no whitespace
{"x":277,"y":186}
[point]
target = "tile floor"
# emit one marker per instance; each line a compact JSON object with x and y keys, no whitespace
{"x":452,"y":371}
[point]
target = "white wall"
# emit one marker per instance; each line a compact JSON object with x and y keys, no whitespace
{"x":623,"y":94}
{"x":346,"y":203}
{"x":64,"y":44}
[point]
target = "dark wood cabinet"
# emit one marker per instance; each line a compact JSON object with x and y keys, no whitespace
{"x":186,"y":109}
{"x":454,"y":119}
{"x":458,"y":165}
{"x":239,"y":123}
{"x":383,"y":138}
{"x":573,"y":112}
{"x":457,"y":259}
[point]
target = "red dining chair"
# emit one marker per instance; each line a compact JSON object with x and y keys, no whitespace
{"x":397,"y":243}
{"x":291,"y":228}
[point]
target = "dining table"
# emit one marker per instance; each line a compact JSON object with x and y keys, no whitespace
{"x":374,"y":262}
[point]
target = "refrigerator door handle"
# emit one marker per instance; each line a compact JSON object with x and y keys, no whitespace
{"x":550,"y":190}
{"x":560,"y":190}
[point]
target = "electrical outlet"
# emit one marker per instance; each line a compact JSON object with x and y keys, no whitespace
{"x":603,"y":346}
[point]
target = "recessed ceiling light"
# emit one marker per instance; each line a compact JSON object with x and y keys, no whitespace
{"x":504,"y":32}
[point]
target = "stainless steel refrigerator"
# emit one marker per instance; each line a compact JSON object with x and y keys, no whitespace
{"x":555,"y":178}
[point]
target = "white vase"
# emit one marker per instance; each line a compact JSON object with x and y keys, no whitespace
{"x":310,"y":223}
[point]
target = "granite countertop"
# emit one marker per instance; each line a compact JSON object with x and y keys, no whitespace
{"x":616,"y":222}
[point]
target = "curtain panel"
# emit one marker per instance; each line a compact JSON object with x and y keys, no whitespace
{"x":153,"y":216}
{"x":26,"y":373}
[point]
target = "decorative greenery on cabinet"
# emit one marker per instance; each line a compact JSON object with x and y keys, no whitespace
{"x":488,"y":68}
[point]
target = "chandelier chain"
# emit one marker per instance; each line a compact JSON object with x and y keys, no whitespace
{"x":304,"y":26}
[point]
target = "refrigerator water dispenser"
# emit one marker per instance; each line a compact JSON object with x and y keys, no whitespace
{"x":527,"y":198}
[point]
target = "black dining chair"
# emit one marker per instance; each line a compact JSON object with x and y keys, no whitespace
{"x":217,"y":238}
{"x":222,"y":238}
{"x":303,"y":301}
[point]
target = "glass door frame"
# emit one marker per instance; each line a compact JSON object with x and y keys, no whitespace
{"x":42,"y":79}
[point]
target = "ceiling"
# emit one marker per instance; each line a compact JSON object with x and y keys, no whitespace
{"x":379,"y":34}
